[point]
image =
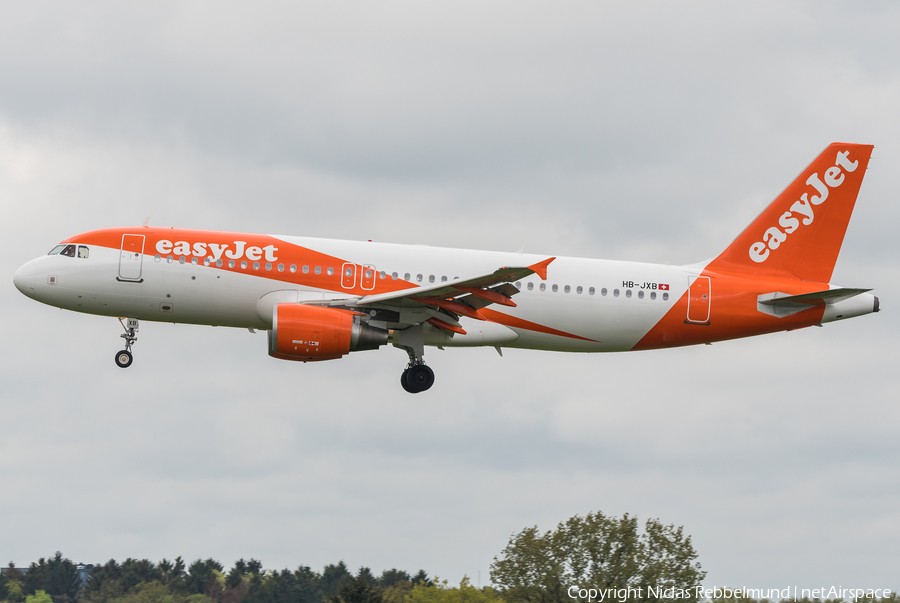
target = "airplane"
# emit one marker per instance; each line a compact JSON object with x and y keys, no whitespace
{"x":320,"y":299}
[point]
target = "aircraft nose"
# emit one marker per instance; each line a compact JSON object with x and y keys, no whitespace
{"x":24,"y":280}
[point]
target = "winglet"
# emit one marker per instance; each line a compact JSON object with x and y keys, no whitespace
{"x":540,"y":268}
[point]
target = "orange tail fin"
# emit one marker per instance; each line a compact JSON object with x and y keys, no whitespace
{"x":802,"y":229}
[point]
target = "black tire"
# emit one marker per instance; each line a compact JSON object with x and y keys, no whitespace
{"x":405,"y":383}
{"x":420,"y":378}
{"x":124,"y":359}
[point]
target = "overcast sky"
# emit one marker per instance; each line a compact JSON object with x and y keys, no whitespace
{"x":647,"y":131}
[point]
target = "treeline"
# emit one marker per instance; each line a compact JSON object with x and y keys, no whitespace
{"x":594,"y":552}
{"x":57,"y":580}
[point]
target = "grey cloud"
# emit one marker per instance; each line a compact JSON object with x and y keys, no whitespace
{"x":645,"y":132}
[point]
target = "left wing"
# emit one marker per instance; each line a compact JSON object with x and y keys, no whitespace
{"x":448,"y":301}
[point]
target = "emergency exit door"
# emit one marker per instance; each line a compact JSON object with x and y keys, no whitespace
{"x":699,"y":300}
{"x":131,"y":257}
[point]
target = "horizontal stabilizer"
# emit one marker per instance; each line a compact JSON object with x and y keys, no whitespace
{"x":782,"y":304}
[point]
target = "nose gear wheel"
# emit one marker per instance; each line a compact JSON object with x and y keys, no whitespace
{"x":124,"y":358}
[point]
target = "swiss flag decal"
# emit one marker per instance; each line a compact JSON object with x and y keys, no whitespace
{"x":663,"y":287}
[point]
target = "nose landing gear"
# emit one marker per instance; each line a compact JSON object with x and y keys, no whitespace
{"x":124,"y":358}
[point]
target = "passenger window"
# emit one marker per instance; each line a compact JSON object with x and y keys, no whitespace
{"x":394,"y":276}
{"x":568,"y":289}
{"x":293,"y":268}
{"x":603,"y":291}
{"x":157,"y":258}
{"x":419,"y":278}
{"x":653,"y":295}
{"x":640,"y":295}
{"x":592,"y":291}
{"x":628,"y":293}
{"x":256,"y":265}
{"x":430,"y":278}
{"x":443,"y":279}
{"x":83,"y":252}
{"x":665,"y":296}
{"x":56,"y":249}
{"x":530,"y":286}
{"x":206,"y":261}
{"x":181,"y":259}
{"x":268,"y":266}
{"x":555,"y":288}
{"x":615,"y":293}
{"x":306,"y":270}
{"x":543,"y":286}
{"x":280,"y":267}
{"x":243,"y":264}
{"x":170,"y":259}
{"x":69,"y":251}
{"x":382,"y":275}
{"x":330,"y":271}
{"x":318,"y":270}
{"x":231,"y":263}
{"x":219,"y":263}
{"x":194,"y":261}
{"x":579,"y":290}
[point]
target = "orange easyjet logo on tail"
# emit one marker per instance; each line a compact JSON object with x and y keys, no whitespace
{"x":774,"y":236}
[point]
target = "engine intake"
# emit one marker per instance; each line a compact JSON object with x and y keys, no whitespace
{"x":311,"y":333}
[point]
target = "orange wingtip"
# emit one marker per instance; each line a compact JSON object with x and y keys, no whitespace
{"x":446,"y":326}
{"x":540,"y":268}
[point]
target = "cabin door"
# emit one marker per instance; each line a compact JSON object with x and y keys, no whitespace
{"x":698,"y":300}
{"x":131,"y":258}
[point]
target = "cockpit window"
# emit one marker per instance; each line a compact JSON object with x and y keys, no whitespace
{"x":83,"y":251}
{"x":56,"y":249}
{"x":69,"y":251}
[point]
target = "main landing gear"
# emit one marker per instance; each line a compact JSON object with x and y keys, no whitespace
{"x":417,"y":377}
{"x":124,"y":358}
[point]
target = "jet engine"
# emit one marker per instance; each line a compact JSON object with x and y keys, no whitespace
{"x":310,"y":333}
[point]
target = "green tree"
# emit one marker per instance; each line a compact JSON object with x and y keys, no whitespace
{"x":596,"y":551}
{"x":366,"y":575}
{"x":393,"y":576}
{"x":4,"y":586}
{"x":172,"y":573}
{"x":333,"y":577}
{"x":421,"y":577}
{"x":358,"y":590}
{"x":202,"y":575}
{"x":308,"y":585}
{"x":56,"y":576}
{"x":39,"y":597}
{"x":15,"y":594}
{"x":439,"y":592}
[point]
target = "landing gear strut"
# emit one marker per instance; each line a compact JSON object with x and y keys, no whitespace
{"x":124,"y":358}
{"x":417,"y":377}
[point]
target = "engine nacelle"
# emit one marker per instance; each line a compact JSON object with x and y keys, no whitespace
{"x":310,"y":333}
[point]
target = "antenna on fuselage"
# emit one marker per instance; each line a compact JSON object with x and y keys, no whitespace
{"x":146,"y":222}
